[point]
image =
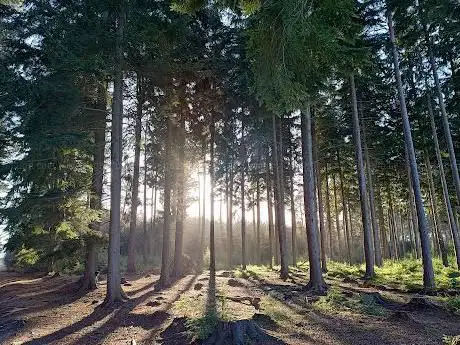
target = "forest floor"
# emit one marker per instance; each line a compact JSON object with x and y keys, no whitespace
{"x":38,"y":309}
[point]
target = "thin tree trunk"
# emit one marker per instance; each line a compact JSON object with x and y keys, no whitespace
{"x":230,"y":220}
{"x":293,"y":219}
{"x":135,"y":190}
{"x":411,"y":204}
{"x":374,"y":221}
{"x":258,"y":219}
{"x":203,"y":219}
{"x":279,"y":200}
{"x":328,"y":217}
{"x":428,"y":273}
{"x":344,"y":210}
{"x":450,"y":213}
{"x":180,"y":208}
{"x":381,"y":219}
{"x":319,"y":184}
{"x":88,"y":281}
{"x":146,"y":241}
{"x":337,"y":219}
{"x":114,"y":290}
{"x":316,"y":282}
{"x":211,"y":300}
{"x":444,"y":118}
{"x":165,"y":260}
{"x":434,"y":209}
{"x":368,"y":247}
{"x":268,"y":182}
{"x":243,"y":202}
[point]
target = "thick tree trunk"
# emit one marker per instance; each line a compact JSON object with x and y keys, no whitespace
{"x":319,"y":189}
{"x":428,"y":273}
{"x":279,"y":198}
{"x":114,"y":291}
{"x":316,"y":282}
{"x":293,"y":219}
{"x":135,"y":190}
{"x":165,"y":260}
{"x":450,"y":213}
{"x":344,"y":210}
{"x":180,"y":209}
{"x":368,"y":246}
{"x":374,"y":221}
{"x":268,"y":182}
{"x":434,"y":209}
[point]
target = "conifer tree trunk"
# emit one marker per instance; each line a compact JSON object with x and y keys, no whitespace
{"x":180,"y":208}
{"x":268,"y":182}
{"x":329,"y":217}
{"x":279,"y":199}
{"x":319,"y":187}
{"x":374,"y":221}
{"x":344,"y":210}
{"x":243,"y":202}
{"x":203,"y":218}
{"x":368,"y":246}
{"x":258,"y":220}
{"x":337,"y":219}
{"x":230,"y":219}
{"x":316,"y":282}
{"x":450,"y":213}
{"x":381,"y":220}
{"x":165,"y":270}
{"x":293,"y":219}
{"x":114,"y":290}
{"x":135,"y":189}
{"x":88,"y":281}
{"x":444,"y":118}
{"x":146,"y":241}
{"x":434,"y":209}
{"x":428,"y":273}
{"x":212,"y":249}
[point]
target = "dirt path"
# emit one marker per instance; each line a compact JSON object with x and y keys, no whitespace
{"x":45,"y":310}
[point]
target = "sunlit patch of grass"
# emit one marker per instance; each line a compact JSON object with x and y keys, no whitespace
{"x":451,"y":303}
{"x":402,"y":274}
{"x":335,"y":301}
{"x":279,"y":312}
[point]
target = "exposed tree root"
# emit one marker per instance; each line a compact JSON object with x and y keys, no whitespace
{"x":240,"y":332}
{"x":416,"y":303}
{"x":317,"y":288}
{"x":254,"y":301}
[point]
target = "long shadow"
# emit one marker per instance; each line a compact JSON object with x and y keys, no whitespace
{"x":124,"y":318}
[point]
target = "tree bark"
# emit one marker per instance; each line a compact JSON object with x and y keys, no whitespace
{"x":374,"y":221}
{"x":368,"y":247}
{"x":316,"y":282}
{"x":428,"y":273}
{"x":258,"y":219}
{"x":344,"y":209}
{"x":450,"y":213}
{"x":243,"y":205}
{"x":434,"y":211}
{"x":203,"y":219}
{"x":212,"y":249}
{"x":319,"y":184}
{"x":293,"y":219}
{"x":329,"y":217}
{"x":165,"y":260}
{"x":135,"y":190}
{"x":114,"y":290}
{"x":88,"y":281}
{"x":337,"y":221}
{"x":279,"y":200}
{"x":268,"y":182}
{"x":230,"y":220}
{"x":180,"y":209}
{"x":146,"y":247}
